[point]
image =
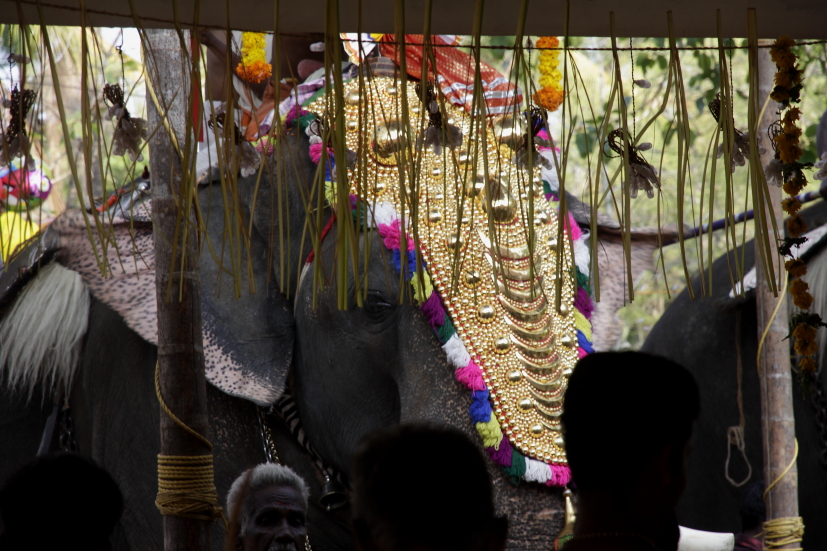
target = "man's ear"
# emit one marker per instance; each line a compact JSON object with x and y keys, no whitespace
{"x":499,"y":534}
{"x":361,"y":533}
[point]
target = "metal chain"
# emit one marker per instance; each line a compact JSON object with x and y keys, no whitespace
{"x":66,"y":437}
{"x":270,"y":453}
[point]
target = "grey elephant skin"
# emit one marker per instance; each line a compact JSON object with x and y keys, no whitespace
{"x":703,"y":334}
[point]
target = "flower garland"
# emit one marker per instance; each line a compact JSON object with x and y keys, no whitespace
{"x":804,"y":324}
{"x":253,"y":66}
{"x":467,"y":371}
{"x":551,"y":94}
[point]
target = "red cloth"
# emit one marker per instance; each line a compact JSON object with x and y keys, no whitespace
{"x":455,"y":73}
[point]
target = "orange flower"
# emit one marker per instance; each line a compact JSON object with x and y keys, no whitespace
{"x":791,"y":205}
{"x":807,"y":365}
{"x":792,"y":115}
{"x":805,"y":343}
{"x":257,"y":71}
{"x":796,"y":267}
{"x":788,"y":149}
{"x":796,"y":226}
{"x":794,"y":185}
{"x":548,"y":42}
{"x":780,"y":95}
{"x":549,"y":98}
{"x":801,"y":298}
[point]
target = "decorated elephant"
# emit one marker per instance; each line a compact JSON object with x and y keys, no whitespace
{"x":715,"y":337}
{"x":488,"y":353}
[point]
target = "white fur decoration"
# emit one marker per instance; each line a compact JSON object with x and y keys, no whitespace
{"x":536,"y":471}
{"x":581,"y":254}
{"x":456,"y":352}
{"x":382,"y":213}
{"x":42,"y":332}
{"x":550,"y":174}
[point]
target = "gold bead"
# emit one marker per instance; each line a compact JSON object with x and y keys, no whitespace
{"x":379,"y":186}
{"x":353,"y":98}
{"x":536,"y":430}
{"x":434,"y":216}
{"x":465,"y":220}
{"x":416,"y":109}
{"x":352,"y":125}
{"x":474,"y":184}
{"x":391,"y":90}
{"x":558,"y":440}
{"x":514,"y":377}
{"x":509,"y":130}
{"x":564,"y":310}
{"x":567,"y":341}
{"x":472,"y":278}
{"x":463,"y":157}
{"x":503,"y":207}
{"x":525,"y":404}
{"x":455,"y":242}
{"x":436,"y":171}
{"x":552,"y":241}
{"x":502,"y":344}
{"x":486,"y":313}
{"x":439,"y":196}
{"x":540,"y":218}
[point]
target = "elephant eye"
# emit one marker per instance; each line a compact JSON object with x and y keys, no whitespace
{"x":376,"y":303}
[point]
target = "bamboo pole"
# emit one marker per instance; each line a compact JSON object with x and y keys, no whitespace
{"x":178,"y":292}
{"x":778,"y":423}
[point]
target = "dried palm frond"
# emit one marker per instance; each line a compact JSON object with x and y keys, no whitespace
{"x":130,"y":132}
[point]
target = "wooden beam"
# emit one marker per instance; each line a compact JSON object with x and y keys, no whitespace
{"x":775,"y":375}
{"x":180,"y":350}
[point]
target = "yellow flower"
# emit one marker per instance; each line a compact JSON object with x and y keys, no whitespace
{"x":253,"y":66}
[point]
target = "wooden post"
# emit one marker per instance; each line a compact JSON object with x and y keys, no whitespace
{"x":778,"y":423}
{"x":180,"y":352}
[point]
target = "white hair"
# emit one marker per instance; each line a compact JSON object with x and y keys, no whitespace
{"x":262,"y":476}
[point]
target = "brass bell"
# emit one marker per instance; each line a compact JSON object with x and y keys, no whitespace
{"x":333,"y":494}
{"x":389,"y":138}
{"x":509,"y":130}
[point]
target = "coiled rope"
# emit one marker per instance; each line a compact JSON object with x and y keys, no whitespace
{"x":186,"y":483}
{"x":783,"y":531}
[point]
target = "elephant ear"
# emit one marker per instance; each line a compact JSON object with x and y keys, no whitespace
{"x":248,"y":341}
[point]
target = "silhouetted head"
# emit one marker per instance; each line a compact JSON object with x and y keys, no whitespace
{"x":62,"y":501}
{"x":623,"y":411}
{"x":753,"y":508}
{"x":423,"y":488}
{"x":268,"y":508}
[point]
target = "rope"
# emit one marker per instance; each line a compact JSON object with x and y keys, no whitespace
{"x":735,"y":434}
{"x":769,"y":323}
{"x":780,"y":532}
{"x":186,"y":483}
{"x":783,"y":531}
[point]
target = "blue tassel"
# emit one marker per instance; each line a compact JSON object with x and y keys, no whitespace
{"x":480,"y":407}
{"x":583,"y":342}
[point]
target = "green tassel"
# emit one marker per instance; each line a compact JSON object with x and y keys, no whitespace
{"x":517,"y":468}
{"x":582,"y":280}
{"x":446,"y":330}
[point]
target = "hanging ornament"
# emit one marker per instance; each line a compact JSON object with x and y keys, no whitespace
{"x":550,"y":95}
{"x":15,"y":140}
{"x":433,"y":135}
{"x":643,"y":175}
{"x":130,"y":132}
{"x":740,"y":149}
{"x":253,"y":66}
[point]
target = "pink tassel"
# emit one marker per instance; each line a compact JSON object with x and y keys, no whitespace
{"x":574,"y":228}
{"x":471,"y":376}
{"x":390,"y":234}
{"x":581,"y":353}
{"x":560,"y":475}
{"x":316,"y":152}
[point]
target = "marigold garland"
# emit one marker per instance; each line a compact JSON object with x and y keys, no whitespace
{"x":550,"y":95}
{"x":788,"y":86}
{"x":253,"y":66}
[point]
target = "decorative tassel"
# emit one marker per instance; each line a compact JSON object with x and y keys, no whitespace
{"x":491,"y":433}
{"x":537,"y":471}
{"x":501,"y":455}
{"x":455,"y":351}
{"x":470,"y":376}
{"x":480,"y":409}
{"x":433,"y":310}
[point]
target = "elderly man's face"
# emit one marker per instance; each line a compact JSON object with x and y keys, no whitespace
{"x":277,"y":522}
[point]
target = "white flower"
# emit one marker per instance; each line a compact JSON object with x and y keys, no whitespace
{"x":821,"y":164}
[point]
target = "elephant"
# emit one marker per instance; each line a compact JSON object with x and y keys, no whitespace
{"x":348,"y":371}
{"x":712,"y":336}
